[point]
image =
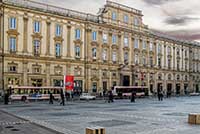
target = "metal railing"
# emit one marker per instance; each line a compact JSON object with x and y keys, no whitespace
{"x":114,"y":4}
{"x":52,"y":9}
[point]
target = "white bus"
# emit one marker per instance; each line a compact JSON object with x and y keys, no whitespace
{"x":126,"y":91}
{"x":34,"y":93}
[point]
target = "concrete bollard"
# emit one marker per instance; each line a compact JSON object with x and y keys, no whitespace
{"x":95,"y":130}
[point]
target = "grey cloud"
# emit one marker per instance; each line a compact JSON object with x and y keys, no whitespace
{"x":158,"y":2}
{"x":183,"y":20}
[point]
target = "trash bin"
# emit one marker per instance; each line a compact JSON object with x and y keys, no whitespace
{"x":95,"y":130}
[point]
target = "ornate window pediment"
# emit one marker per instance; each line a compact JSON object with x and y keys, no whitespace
{"x":58,"y":70}
{"x":36,"y":69}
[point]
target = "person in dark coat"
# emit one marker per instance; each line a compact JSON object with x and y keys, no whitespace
{"x":51,"y":98}
{"x":6,"y":98}
{"x":133,"y":96}
{"x":62,"y":98}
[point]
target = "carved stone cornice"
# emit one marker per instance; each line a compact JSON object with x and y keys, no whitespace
{"x":13,"y":32}
{"x":126,"y":48}
{"x":114,"y":46}
{"x":58,"y":38}
{"x":78,"y":41}
{"x":37,"y":35}
{"x":94,"y":43}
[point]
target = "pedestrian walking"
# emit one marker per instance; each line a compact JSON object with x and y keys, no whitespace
{"x":62,"y":98}
{"x":133,"y":96}
{"x":6,"y":98}
{"x":51,"y":97}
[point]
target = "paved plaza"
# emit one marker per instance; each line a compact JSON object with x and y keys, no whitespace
{"x":146,"y":116}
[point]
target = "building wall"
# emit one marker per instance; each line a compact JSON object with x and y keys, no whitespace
{"x":103,"y":74}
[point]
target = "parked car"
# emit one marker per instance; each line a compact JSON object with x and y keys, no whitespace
{"x":194,"y":94}
{"x":87,"y":96}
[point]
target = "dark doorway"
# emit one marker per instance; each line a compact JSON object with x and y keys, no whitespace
{"x":197,"y":88}
{"x":126,"y":80}
{"x":105,"y":86}
{"x":169,"y":88}
{"x":186,"y":89}
{"x":178,"y":87}
{"x":159,"y":87}
{"x":151,"y":88}
{"x":94,"y":87}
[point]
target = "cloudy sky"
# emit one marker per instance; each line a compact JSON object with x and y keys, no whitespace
{"x":179,"y":18}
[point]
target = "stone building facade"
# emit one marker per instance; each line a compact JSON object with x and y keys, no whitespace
{"x":41,"y":43}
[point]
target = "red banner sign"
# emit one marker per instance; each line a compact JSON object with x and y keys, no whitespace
{"x":69,"y":82}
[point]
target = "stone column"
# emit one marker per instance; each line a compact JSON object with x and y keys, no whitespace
{"x":25,"y":70}
{"x":182,"y":58}
{"x":133,"y":52}
{"x":100,"y":45}
{"x":120,"y":49}
{"x":48,"y":78}
{"x":69,"y":41}
{"x":25,"y":41}
{"x":48,"y":37}
{"x":174,"y":57}
{"x":155,"y":54}
{"x":165,"y":55}
{"x":110,"y":47}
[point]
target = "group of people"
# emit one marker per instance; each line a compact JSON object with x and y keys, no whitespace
{"x":62,"y":96}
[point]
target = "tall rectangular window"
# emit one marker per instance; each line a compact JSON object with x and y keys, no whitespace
{"x":36,"y":26}
{"x":114,"y":56}
{"x":151,"y":46}
{"x":58,"y":30}
{"x":104,"y":54}
{"x":36,"y":47}
{"x":159,"y":62}
{"x":105,"y":38}
{"x":94,"y":53}
{"x":94,"y":35}
{"x":12,"y":44}
{"x":159,"y":48}
{"x":126,"y":57}
{"x":126,"y":41}
{"x":126,"y":18}
{"x":114,"y":16}
{"x":151,"y":61}
{"x":136,"y":43}
{"x":136,"y":21}
{"x":136,"y":59}
{"x":77,"y":34}
{"x":144,"y":44}
{"x":58,"y":50}
{"x":77,"y":51}
{"x":114,"y":39}
{"x":12,"y":23}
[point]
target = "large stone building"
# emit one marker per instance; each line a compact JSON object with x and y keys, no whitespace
{"x":41,"y":43}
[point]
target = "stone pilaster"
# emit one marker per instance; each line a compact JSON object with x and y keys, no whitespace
{"x":48,"y":37}
{"x":25,"y":41}
{"x":25,"y":71}
{"x":165,"y":56}
{"x":48,"y":78}
{"x":69,"y":41}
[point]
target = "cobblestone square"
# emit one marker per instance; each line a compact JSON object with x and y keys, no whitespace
{"x":146,"y":116}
